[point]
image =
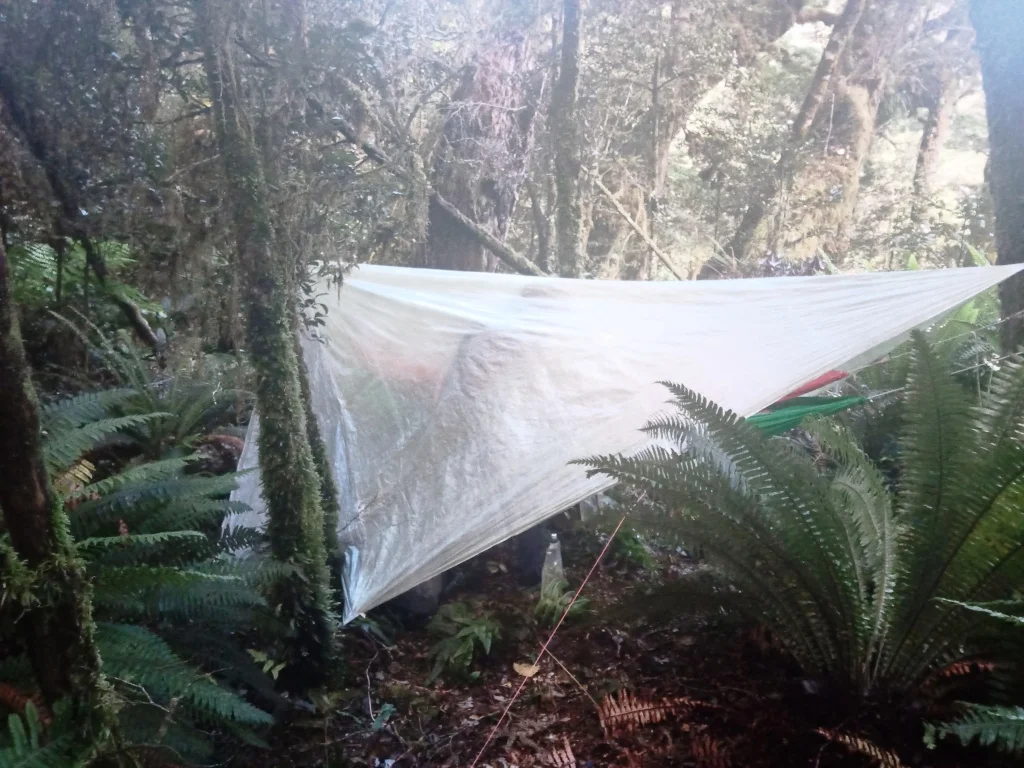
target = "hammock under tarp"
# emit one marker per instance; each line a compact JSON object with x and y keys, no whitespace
{"x":787,"y":414}
{"x":452,"y":404}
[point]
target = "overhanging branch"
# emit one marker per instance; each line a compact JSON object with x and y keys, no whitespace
{"x":512,"y":258}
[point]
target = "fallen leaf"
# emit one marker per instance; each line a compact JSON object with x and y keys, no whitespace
{"x":526,"y":670}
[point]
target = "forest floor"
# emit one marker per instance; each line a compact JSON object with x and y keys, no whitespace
{"x":709,"y":694}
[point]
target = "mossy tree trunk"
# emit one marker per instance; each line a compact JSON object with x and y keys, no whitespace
{"x":57,"y":623}
{"x":291,"y":485}
{"x":566,"y":140}
{"x":328,"y":488}
{"x":999,"y":26}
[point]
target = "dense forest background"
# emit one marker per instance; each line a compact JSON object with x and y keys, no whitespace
{"x":687,"y":139}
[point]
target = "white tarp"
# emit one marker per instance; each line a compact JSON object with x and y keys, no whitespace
{"x":452,"y":403}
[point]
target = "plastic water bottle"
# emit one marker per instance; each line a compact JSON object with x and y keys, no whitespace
{"x":553,"y":571}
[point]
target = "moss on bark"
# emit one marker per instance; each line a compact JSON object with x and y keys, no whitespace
{"x":291,"y":485}
{"x":57,"y":619}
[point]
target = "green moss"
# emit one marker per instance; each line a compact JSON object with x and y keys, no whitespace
{"x":291,"y":484}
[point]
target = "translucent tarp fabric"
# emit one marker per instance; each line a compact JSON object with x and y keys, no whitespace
{"x":452,"y":403}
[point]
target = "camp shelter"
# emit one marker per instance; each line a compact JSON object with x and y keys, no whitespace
{"x":452,"y":403}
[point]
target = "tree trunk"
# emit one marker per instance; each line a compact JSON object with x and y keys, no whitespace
{"x":58,"y":625}
{"x":767,"y":199}
{"x":1000,"y":42}
{"x":483,"y":157}
{"x":935,"y":128}
{"x":325,"y":472}
{"x":943,"y":91}
{"x":568,"y":163}
{"x":291,"y":486}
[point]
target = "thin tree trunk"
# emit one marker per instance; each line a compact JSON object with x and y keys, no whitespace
{"x":58,"y":623}
{"x":541,"y":226}
{"x":935,"y":129}
{"x":936,"y":126}
{"x":1000,"y":42}
{"x":568,"y":164}
{"x":291,"y":486}
{"x":786,"y":165}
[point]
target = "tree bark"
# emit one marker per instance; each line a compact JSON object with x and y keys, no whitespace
{"x":943,"y":92}
{"x":565,"y":130}
{"x":484,"y":155}
{"x":58,"y":625}
{"x":936,"y":126}
{"x":291,"y":486}
{"x":1000,"y":43}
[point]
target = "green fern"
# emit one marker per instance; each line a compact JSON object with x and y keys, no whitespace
{"x":64,"y":448}
{"x":999,"y":727}
{"x":844,"y":571}
{"x":32,"y":745}
{"x":463,"y":636}
{"x":149,"y":536}
{"x":134,"y":655}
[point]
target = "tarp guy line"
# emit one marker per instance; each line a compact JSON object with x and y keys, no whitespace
{"x":452,"y":403}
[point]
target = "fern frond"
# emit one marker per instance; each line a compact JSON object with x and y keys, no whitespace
{"x":143,"y":474}
{"x":992,"y":610}
{"x":180,"y":547}
{"x":190,"y":513}
{"x":92,"y":515}
{"x":999,"y":727}
{"x":138,"y":656}
{"x":63,"y":748}
{"x":883,"y":757}
{"x":86,"y":408}
{"x":64,"y":448}
{"x":150,"y":591}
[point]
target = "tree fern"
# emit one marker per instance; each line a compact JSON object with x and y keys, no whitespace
{"x":852,"y":577}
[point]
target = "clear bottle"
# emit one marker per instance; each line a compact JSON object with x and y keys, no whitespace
{"x":553,"y":572}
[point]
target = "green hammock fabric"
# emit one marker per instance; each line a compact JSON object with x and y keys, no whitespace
{"x":783,"y":416}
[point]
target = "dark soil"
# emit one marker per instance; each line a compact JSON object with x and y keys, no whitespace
{"x":727,"y":697}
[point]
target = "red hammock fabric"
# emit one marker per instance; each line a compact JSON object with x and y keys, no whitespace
{"x":822,"y":381}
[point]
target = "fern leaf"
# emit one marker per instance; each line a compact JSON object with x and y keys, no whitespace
{"x":64,"y":448}
{"x":138,"y":656}
{"x":999,"y":727}
{"x":86,"y":408}
{"x":149,"y":472}
{"x":181,"y":547}
{"x":150,"y":591}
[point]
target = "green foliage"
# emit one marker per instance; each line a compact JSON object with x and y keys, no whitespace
{"x":842,"y":570}
{"x":169,"y":412}
{"x":31,"y":744}
{"x":167,"y":595}
{"x":555,"y":597}
{"x":463,"y":635}
{"x":37,"y":273}
{"x":999,"y":727}
{"x":630,"y":547}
